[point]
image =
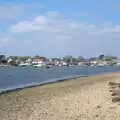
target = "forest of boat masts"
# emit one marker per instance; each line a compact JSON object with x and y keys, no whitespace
{"x":68,"y":60}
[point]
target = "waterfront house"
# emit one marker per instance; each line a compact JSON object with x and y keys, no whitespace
{"x":29,"y":60}
{"x":38,"y":62}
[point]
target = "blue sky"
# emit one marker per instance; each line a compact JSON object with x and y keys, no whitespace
{"x":57,"y":28}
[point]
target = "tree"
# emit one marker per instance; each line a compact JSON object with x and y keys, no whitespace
{"x":3,"y":59}
{"x":101,"y":57}
{"x":82,"y":59}
{"x":37,"y":57}
{"x":110,"y":58}
{"x":68,"y":59}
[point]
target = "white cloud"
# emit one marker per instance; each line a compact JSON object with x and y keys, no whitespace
{"x":39,"y":23}
{"x":47,"y":23}
{"x":44,"y":31}
{"x":24,"y":27}
{"x":40,"y":20}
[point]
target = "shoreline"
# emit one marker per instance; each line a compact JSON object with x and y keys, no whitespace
{"x":52,"y":81}
{"x":21,"y":85}
{"x":32,"y":85}
{"x":56,"y":80}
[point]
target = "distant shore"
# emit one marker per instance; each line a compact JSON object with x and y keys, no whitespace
{"x":85,"y":98}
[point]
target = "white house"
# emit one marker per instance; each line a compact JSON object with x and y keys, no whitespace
{"x":38,"y":62}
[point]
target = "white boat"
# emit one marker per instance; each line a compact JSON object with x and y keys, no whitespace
{"x":38,"y":65}
{"x":24,"y":64}
{"x":100,"y":65}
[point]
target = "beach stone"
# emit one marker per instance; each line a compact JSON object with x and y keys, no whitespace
{"x":114,"y":83}
{"x":98,"y":106}
{"x":111,"y":90}
{"x":96,"y":116}
{"x":114,"y":94}
{"x":116,"y":99}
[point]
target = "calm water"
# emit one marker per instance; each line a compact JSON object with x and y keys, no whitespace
{"x":11,"y":78}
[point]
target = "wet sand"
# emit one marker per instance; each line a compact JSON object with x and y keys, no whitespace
{"x":86,"y":98}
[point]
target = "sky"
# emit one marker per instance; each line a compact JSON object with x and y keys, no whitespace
{"x":55,"y":28}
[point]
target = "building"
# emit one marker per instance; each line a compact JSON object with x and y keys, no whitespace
{"x":38,"y":62}
{"x":3,"y":59}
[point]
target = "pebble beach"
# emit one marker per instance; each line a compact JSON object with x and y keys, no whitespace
{"x":85,"y":98}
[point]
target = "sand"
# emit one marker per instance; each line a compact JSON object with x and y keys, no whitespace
{"x":86,"y":98}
